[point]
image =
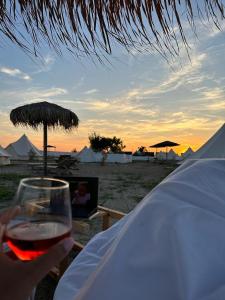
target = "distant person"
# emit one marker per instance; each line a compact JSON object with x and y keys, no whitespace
{"x":81,"y":195}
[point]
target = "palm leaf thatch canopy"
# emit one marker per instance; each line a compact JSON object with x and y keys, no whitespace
{"x":44,"y":114}
{"x":165,"y":144}
{"x":88,"y":27}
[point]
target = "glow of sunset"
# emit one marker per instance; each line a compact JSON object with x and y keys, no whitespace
{"x":140,"y":98}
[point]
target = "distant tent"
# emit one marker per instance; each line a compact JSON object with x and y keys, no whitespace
{"x":22,"y":149}
{"x":4,"y":157}
{"x":120,"y":158}
{"x":214,"y":147}
{"x":172,"y":155}
{"x":187,"y":153}
{"x":161,"y":155}
{"x":87,"y":155}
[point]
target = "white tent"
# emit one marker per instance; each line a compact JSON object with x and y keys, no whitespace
{"x":214,"y":147}
{"x":187,"y":153}
{"x":173,"y":155}
{"x":120,"y":158}
{"x":4,"y":157}
{"x":161,"y":155}
{"x":22,"y":149}
{"x":88,"y":155}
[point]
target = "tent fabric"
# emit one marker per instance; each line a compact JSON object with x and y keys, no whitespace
{"x":172,"y":155}
{"x":188,"y":153}
{"x":87,"y":155}
{"x":22,"y":148}
{"x":121,"y":158}
{"x":214,"y":147}
{"x":3,"y":152}
{"x":161,"y":155}
{"x":171,"y":246}
{"x":4,"y":157}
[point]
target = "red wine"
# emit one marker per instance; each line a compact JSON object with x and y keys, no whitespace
{"x":30,"y":240}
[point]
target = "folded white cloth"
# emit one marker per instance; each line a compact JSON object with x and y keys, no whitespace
{"x":171,"y":247}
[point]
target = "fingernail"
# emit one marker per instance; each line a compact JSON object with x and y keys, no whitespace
{"x":68,"y":244}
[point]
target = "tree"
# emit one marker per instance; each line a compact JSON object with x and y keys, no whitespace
{"x":116,"y":144}
{"x":101,"y":143}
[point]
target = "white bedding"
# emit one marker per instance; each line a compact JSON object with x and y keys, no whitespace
{"x":171,"y":247}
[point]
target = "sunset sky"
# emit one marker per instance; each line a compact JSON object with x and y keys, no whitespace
{"x":138,"y":97}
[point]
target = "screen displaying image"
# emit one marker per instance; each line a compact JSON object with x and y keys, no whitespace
{"x":84,"y":195}
{"x":81,"y":195}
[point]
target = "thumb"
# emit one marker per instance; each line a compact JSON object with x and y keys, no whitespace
{"x":39,"y":267}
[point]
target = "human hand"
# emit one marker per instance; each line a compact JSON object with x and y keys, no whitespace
{"x":18,"y":278}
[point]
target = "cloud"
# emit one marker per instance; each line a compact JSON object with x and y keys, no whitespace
{"x":49,"y":60}
{"x":217,"y":106}
{"x":45,"y":64}
{"x":19,"y":97}
{"x":213,"y":93}
{"x":39,"y":93}
{"x":190,"y":74}
{"x":15,"y":73}
{"x":90,"y":92}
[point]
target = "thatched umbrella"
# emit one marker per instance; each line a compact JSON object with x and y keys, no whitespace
{"x":44,"y":114}
{"x":87,"y":27}
{"x":165,"y":144}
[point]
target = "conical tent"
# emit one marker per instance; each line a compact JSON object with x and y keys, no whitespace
{"x":4,"y":157}
{"x":22,"y":148}
{"x":187,"y":153}
{"x":171,"y":155}
{"x":3,"y":152}
{"x":214,"y":147}
{"x":87,"y":155}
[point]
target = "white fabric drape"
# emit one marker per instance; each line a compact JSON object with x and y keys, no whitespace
{"x":171,"y":247}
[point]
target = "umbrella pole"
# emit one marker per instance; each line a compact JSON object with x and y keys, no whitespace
{"x":45,"y":143}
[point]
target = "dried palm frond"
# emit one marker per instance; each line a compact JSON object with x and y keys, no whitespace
{"x":41,"y":113}
{"x":88,"y":27}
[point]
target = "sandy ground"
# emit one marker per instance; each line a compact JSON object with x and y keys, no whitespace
{"x":121,"y":187}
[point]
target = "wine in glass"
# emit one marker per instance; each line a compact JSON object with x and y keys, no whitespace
{"x":44,"y":217}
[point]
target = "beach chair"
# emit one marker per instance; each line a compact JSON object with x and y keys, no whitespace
{"x":66,"y":164}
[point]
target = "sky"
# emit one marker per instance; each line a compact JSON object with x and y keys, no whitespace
{"x":138,"y":97}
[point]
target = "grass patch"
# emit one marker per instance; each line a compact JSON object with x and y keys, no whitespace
{"x":8,"y":187}
{"x":15,"y":178}
{"x":6,"y":193}
{"x":149,"y":185}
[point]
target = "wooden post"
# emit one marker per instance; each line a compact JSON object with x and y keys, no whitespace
{"x":45,"y":149}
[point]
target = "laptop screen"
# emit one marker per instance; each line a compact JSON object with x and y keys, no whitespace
{"x":84,"y":195}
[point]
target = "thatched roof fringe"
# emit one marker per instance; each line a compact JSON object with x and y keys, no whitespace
{"x":37,"y":114}
{"x":87,"y":27}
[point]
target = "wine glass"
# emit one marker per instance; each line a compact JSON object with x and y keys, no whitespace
{"x":44,"y":217}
